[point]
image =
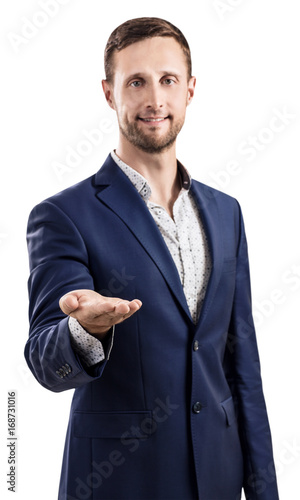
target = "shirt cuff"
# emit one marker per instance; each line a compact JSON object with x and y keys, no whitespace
{"x":88,"y":347}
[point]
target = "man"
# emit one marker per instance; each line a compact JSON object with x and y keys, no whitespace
{"x":154,"y":329}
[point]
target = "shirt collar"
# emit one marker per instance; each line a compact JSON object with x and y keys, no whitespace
{"x":141,"y":184}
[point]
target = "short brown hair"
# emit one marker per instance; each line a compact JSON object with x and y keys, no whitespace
{"x":135,"y":30}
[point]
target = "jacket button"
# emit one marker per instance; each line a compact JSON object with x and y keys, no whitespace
{"x":197,"y":407}
{"x":60,"y":373}
{"x":196,"y":345}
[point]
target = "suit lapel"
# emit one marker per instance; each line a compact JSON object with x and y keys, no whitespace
{"x":206,"y":199}
{"x":118,"y":193}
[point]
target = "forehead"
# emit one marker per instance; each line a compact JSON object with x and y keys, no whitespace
{"x":152,"y":54}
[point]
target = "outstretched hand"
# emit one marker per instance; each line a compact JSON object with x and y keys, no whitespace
{"x":96,"y":313}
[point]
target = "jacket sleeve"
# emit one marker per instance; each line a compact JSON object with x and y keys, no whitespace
{"x":259,"y":470}
{"x":59,"y":263}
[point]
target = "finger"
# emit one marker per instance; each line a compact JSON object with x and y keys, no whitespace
{"x":121,"y":308}
{"x":136,"y":303}
{"x":68,"y":303}
{"x":121,"y":313}
{"x":125,"y":307}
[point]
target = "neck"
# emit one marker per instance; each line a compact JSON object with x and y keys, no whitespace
{"x":160,"y":170}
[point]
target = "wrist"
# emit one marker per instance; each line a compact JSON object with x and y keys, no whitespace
{"x":98,"y":332}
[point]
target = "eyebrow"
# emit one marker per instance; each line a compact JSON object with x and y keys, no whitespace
{"x":163,"y":73}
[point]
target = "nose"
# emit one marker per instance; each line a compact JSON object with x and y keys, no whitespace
{"x":154,"y":99}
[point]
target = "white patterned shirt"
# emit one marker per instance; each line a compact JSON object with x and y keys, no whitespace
{"x":186,"y":240}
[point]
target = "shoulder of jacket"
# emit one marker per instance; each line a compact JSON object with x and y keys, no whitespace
{"x":213,"y":193}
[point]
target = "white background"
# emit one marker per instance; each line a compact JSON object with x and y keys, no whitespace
{"x":246,"y":60}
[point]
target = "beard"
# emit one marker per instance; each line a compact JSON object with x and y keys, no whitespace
{"x":148,"y":142}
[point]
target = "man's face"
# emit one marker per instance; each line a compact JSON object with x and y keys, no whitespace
{"x":150,"y":92}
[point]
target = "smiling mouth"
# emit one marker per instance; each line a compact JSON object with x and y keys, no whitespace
{"x":151,"y":120}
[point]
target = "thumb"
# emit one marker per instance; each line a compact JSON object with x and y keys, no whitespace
{"x":68,"y":303}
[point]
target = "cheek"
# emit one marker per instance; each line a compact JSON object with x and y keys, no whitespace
{"x":179,"y":107}
{"x":129,"y":105}
{"x":178,"y":101}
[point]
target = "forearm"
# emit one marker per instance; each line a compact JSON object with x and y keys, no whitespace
{"x":58,"y":264}
{"x":245,"y":378}
{"x":89,"y":348}
{"x":53,"y":361}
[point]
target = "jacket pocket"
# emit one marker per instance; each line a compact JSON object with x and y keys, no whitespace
{"x":113,"y":424}
{"x":229,"y":410}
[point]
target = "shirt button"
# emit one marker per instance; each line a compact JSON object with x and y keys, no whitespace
{"x":196,"y":345}
{"x":197,"y":407}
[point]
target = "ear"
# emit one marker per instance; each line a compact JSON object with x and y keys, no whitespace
{"x":108,"y":92}
{"x":191,"y":90}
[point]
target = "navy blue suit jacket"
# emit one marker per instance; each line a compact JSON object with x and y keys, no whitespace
{"x":177,"y":410}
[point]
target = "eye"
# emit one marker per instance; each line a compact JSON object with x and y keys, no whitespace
{"x":135,"y":84}
{"x":168,"y":81}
